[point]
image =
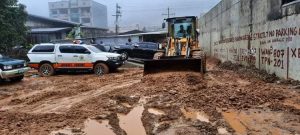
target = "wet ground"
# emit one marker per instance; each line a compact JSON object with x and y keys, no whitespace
{"x":126,"y":102}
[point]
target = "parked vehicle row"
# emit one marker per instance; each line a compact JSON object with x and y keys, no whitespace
{"x":49,"y":58}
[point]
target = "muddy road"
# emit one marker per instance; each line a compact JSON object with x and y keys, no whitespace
{"x":237,"y":101}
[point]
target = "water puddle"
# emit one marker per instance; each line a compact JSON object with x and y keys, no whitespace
{"x":93,"y":127}
{"x":156,"y":111}
{"x":194,"y":115}
{"x":231,"y":118}
{"x":132,"y":123}
{"x":261,"y":121}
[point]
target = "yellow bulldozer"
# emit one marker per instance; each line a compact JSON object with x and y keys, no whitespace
{"x":182,"y":50}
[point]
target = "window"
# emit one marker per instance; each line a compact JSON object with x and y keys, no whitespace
{"x":94,"y":49}
{"x":152,"y":46}
{"x":63,"y":11}
{"x":80,"y":49}
{"x":66,"y":49}
{"x":73,"y":3}
{"x":43,"y":48}
{"x":289,"y":1}
{"x":100,"y":47}
{"x":54,"y":12}
{"x":75,"y":19}
{"x":74,"y":10}
{"x":143,"y":45}
{"x":85,"y":10}
{"x":86,"y":20}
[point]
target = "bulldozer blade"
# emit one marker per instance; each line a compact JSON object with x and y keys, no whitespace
{"x":165,"y":65}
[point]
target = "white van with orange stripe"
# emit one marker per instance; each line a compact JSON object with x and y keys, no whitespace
{"x":48,"y":58}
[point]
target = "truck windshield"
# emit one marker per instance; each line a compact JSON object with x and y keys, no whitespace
{"x":94,"y":49}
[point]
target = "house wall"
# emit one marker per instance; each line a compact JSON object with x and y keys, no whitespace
{"x":260,"y":33}
{"x":120,"y":40}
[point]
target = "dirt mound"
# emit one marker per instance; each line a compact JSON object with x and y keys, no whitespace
{"x":213,"y":61}
{"x":41,"y":105}
{"x":249,"y":71}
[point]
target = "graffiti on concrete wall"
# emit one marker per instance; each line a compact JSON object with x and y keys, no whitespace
{"x":272,"y":36}
{"x":263,"y":49}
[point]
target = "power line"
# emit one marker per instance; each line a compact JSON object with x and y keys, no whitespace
{"x":168,"y":13}
{"x":117,"y":15}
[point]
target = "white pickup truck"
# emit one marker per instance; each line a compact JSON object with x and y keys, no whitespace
{"x":48,"y":58}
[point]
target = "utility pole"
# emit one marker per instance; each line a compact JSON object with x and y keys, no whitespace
{"x":117,"y":15}
{"x":168,"y":13}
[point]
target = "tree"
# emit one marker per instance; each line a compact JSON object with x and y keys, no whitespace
{"x":12,"y":25}
{"x":75,"y":33}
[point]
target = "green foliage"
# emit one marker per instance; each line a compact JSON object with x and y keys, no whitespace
{"x":12,"y":25}
{"x":73,"y":34}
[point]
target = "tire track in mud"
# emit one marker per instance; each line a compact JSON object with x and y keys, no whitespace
{"x":61,"y":105}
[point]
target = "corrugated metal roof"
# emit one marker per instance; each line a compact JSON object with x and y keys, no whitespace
{"x":63,"y":21}
{"x":47,"y":30}
{"x":139,"y":34}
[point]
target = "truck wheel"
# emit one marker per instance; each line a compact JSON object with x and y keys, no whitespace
{"x":17,"y":79}
{"x":101,"y":69}
{"x":124,"y":55}
{"x":158,"y":55}
{"x":46,"y":70}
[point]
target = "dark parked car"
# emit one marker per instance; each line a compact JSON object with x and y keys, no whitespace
{"x":104,"y":48}
{"x":142,"y":50}
{"x":12,"y":69}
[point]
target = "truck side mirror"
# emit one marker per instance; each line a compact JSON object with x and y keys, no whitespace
{"x":163,"y":25}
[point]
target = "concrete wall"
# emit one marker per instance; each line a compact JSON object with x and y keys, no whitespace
{"x":260,"y":33}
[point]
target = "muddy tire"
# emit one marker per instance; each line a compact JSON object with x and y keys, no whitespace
{"x":200,"y":55}
{"x":46,"y":70}
{"x":101,"y":69}
{"x":158,"y":55}
{"x":124,"y":55}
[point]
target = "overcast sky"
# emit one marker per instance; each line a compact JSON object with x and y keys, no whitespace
{"x":143,"y":12}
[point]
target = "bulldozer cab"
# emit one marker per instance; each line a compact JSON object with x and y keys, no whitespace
{"x":182,"y":27}
{"x":182,"y":36}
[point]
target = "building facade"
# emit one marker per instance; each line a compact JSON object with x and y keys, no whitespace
{"x":86,"y":12}
{"x":45,"y":30}
{"x":260,"y":33}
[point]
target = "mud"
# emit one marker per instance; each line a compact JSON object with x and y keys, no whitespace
{"x":223,"y":101}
